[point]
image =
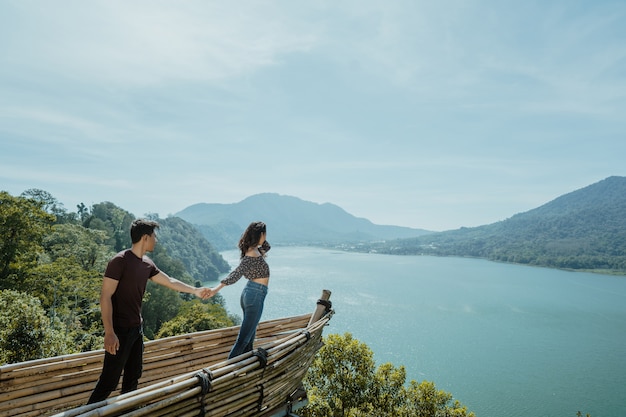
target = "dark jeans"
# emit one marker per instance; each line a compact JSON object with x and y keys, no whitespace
{"x":129,"y":358}
{"x":252,"y":299}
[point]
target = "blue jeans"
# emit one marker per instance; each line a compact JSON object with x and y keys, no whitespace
{"x":129,"y":358}
{"x":252,"y":299}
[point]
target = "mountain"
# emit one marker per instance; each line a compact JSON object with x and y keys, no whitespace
{"x":581,"y":230}
{"x":185,"y":243}
{"x":290,"y":221}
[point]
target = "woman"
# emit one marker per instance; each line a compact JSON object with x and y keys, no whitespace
{"x":252,"y":265}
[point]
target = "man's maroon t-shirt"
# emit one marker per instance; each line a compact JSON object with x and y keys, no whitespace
{"x":133,"y":274}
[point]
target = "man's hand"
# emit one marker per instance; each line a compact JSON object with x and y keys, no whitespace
{"x":111,"y":343}
{"x":203,"y":292}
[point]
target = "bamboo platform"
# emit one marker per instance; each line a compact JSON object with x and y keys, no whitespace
{"x":185,"y":375}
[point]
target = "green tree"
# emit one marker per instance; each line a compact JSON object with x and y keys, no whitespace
{"x":85,"y":247}
{"x":387,"y":390}
{"x":23,"y":224}
{"x":26,"y":333}
{"x":51,"y":205}
{"x":70,"y":295}
{"x":344,"y":382}
{"x":196,"y":316}
{"x":114,"y":220}
{"x":340,"y":377}
{"x":423,"y":399}
{"x":160,"y":304}
{"x":187,"y":244}
{"x":67,"y":280}
{"x":60,"y":258}
{"x":83,"y":212}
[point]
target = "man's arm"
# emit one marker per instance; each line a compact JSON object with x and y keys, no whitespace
{"x":163,"y":279}
{"x":111,"y":342}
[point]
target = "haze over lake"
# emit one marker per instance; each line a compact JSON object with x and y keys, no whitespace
{"x":505,"y":340}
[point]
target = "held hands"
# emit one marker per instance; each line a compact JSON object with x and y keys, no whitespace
{"x":203,"y":292}
{"x":213,"y":291}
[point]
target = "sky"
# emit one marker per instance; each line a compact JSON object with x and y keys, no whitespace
{"x":427,"y":114}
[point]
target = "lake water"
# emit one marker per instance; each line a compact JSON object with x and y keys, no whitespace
{"x":505,"y":340}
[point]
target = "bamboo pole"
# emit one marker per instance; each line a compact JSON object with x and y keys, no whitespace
{"x":322,"y":307}
{"x":170,"y":385}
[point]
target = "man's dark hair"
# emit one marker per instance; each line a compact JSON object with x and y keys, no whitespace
{"x":142,"y":227}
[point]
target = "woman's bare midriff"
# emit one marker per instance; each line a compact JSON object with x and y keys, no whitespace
{"x":263,"y":281}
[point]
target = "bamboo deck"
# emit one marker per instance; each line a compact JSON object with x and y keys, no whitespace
{"x":182,"y":375}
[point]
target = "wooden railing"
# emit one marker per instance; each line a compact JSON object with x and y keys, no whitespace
{"x":182,"y":374}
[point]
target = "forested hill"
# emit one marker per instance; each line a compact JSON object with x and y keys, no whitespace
{"x":290,"y":220}
{"x":582,"y":230}
{"x":51,"y":266}
{"x":185,"y":243}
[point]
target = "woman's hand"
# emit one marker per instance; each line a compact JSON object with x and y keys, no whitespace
{"x":215,"y":290}
{"x":203,"y":292}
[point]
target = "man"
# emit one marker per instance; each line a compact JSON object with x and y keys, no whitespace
{"x":123,"y":287}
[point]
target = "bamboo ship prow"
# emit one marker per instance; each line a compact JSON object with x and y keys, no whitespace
{"x":185,"y":375}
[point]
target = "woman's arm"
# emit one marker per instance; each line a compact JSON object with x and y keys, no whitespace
{"x":265,"y":247}
{"x":215,"y":290}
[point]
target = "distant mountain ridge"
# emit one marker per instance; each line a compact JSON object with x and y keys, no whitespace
{"x":582,"y":230}
{"x":290,"y":220}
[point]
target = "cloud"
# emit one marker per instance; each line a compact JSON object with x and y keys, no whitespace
{"x":385,"y":108}
{"x":27,"y":174}
{"x":143,"y":43}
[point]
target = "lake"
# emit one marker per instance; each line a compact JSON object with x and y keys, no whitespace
{"x":505,"y":340}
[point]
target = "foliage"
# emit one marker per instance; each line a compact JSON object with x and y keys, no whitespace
{"x":340,"y":378}
{"x":85,"y":247}
{"x":425,"y":400}
{"x":172,"y":267}
{"x":23,"y":224}
{"x":51,"y":267}
{"x":159,"y":306}
{"x":583,"y":230}
{"x":196,"y":316}
{"x":50,"y":205}
{"x":114,"y":220}
{"x":25,"y":331}
{"x":186,"y":243}
{"x":70,"y":295}
{"x":343,"y":381}
{"x":55,"y":260}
